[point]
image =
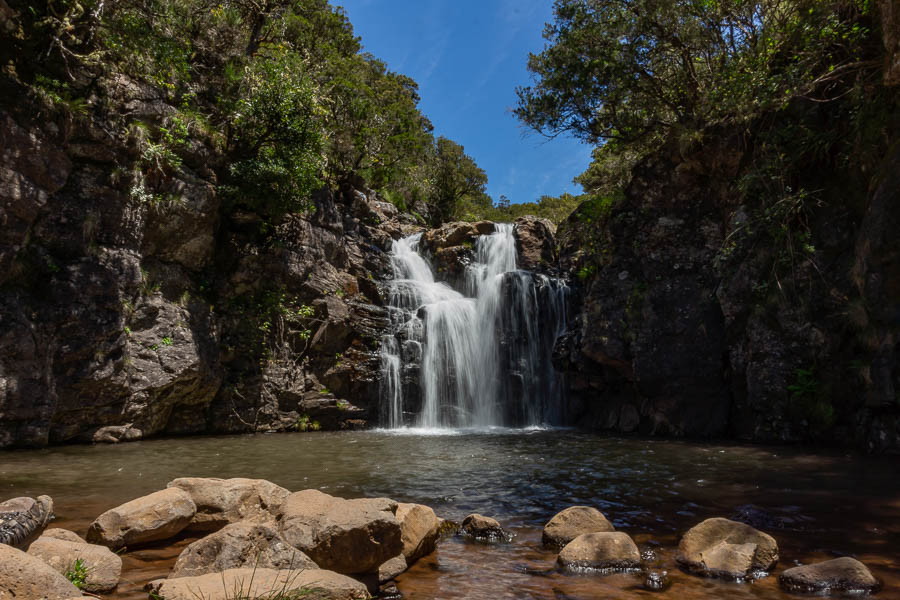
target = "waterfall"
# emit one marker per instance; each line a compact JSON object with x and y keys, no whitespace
{"x":477,"y":358}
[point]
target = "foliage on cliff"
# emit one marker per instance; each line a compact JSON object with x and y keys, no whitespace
{"x":282,"y":88}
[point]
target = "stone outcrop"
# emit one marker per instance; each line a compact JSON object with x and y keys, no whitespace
{"x":722,"y":548}
{"x":24,"y":576}
{"x":843,"y":575}
{"x":251,"y":545}
{"x":347,"y":536}
{"x":484,"y":529}
{"x":606,"y":551}
{"x":535,"y":244}
{"x":568,"y":524}
{"x":102,"y":566}
{"x":220,"y":502}
{"x":420,"y":529}
{"x":316,"y":583}
{"x":23,"y":519}
{"x":157,"y":516}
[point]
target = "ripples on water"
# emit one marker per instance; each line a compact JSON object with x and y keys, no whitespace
{"x":818,"y":505}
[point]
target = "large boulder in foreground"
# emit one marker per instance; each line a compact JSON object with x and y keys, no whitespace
{"x":103,"y":567}
{"x":420,"y":529}
{"x":309,"y":584}
{"x":603,"y":551}
{"x":63,"y":534}
{"x":722,"y":548}
{"x":240,"y":545}
{"x":224,"y":501}
{"x":568,"y":524}
{"x":24,"y":576}
{"x":840,"y":575}
{"x":158,"y":516}
{"x":347,"y":536}
{"x":484,"y":529}
{"x":23,"y":519}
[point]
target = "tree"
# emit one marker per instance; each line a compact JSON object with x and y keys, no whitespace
{"x":455,"y":177}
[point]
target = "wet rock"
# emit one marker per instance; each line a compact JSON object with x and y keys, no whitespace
{"x":252,"y":545}
{"x":347,"y":536}
{"x":722,"y":548}
{"x":484,"y":529}
{"x":23,"y":519}
{"x":220,"y":502}
{"x":24,"y":576}
{"x":392,"y":568}
{"x":63,"y":534}
{"x":318,"y":585}
{"x":157,"y":516}
{"x":420,"y":529}
{"x":604,"y":551}
{"x":389,"y":591}
{"x":103,"y":567}
{"x":656,"y":581}
{"x":568,"y":524}
{"x":840,"y":575}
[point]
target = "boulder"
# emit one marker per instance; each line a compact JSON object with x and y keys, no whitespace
{"x":157,"y":516}
{"x":568,"y":524}
{"x":220,"y":502}
{"x":24,"y":576}
{"x":420,"y":529}
{"x":722,"y":548}
{"x":840,"y":575}
{"x":535,"y":243}
{"x":113,"y":434}
{"x":392,"y":568}
{"x":63,"y":534}
{"x":605,"y":551}
{"x":23,"y":519}
{"x":250,"y":583}
{"x":454,"y":234}
{"x":347,"y":536}
{"x":240,"y":545}
{"x":484,"y":529}
{"x":103,"y":567}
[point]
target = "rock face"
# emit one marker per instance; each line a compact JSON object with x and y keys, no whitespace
{"x":319,"y":585}
{"x":419,"y":530}
{"x":484,"y":529}
{"x":841,"y":575}
{"x":124,"y":317}
{"x":572,"y":522}
{"x":535,"y":244}
{"x":103,"y":567}
{"x":220,"y":502}
{"x":721,"y":548}
{"x":23,"y":519}
{"x":613,"y":550}
{"x":157,"y":516}
{"x":251,"y":545}
{"x":347,"y":536}
{"x":24,"y":576}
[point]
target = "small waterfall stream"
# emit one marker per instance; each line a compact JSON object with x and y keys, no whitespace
{"x":477,"y":358}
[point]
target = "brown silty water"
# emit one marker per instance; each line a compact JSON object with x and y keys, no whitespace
{"x":817,"y":504}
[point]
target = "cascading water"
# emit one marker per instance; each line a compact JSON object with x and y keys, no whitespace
{"x":478,"y":359}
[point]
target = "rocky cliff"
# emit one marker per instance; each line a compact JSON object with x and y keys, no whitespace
{"x":124,"y":316}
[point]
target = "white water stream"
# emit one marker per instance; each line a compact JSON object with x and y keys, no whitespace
{"x":475,"y":359}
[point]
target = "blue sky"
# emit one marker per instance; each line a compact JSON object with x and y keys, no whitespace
{"x":468,"y":56}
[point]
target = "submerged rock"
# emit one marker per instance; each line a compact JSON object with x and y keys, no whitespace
{"x":25,"y":576}
{"x":102,"y":567}
{"x":314,"y":584}
{"x":568,"y":524}
{"x":656,"y":581}
{"x":253,"y":545}
{"x":22,"y":519}
{"x":347,"y":536}
{"x":220,"y":502}
{"x":484,"y":529}
{"x":420,"y":529}
{"x":602,"y":551}
{"x":845,"y":574}
{"x":718,"y":547}
{"x":157,"y":516}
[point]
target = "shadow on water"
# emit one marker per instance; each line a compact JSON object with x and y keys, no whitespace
{"x":817,"y":505}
